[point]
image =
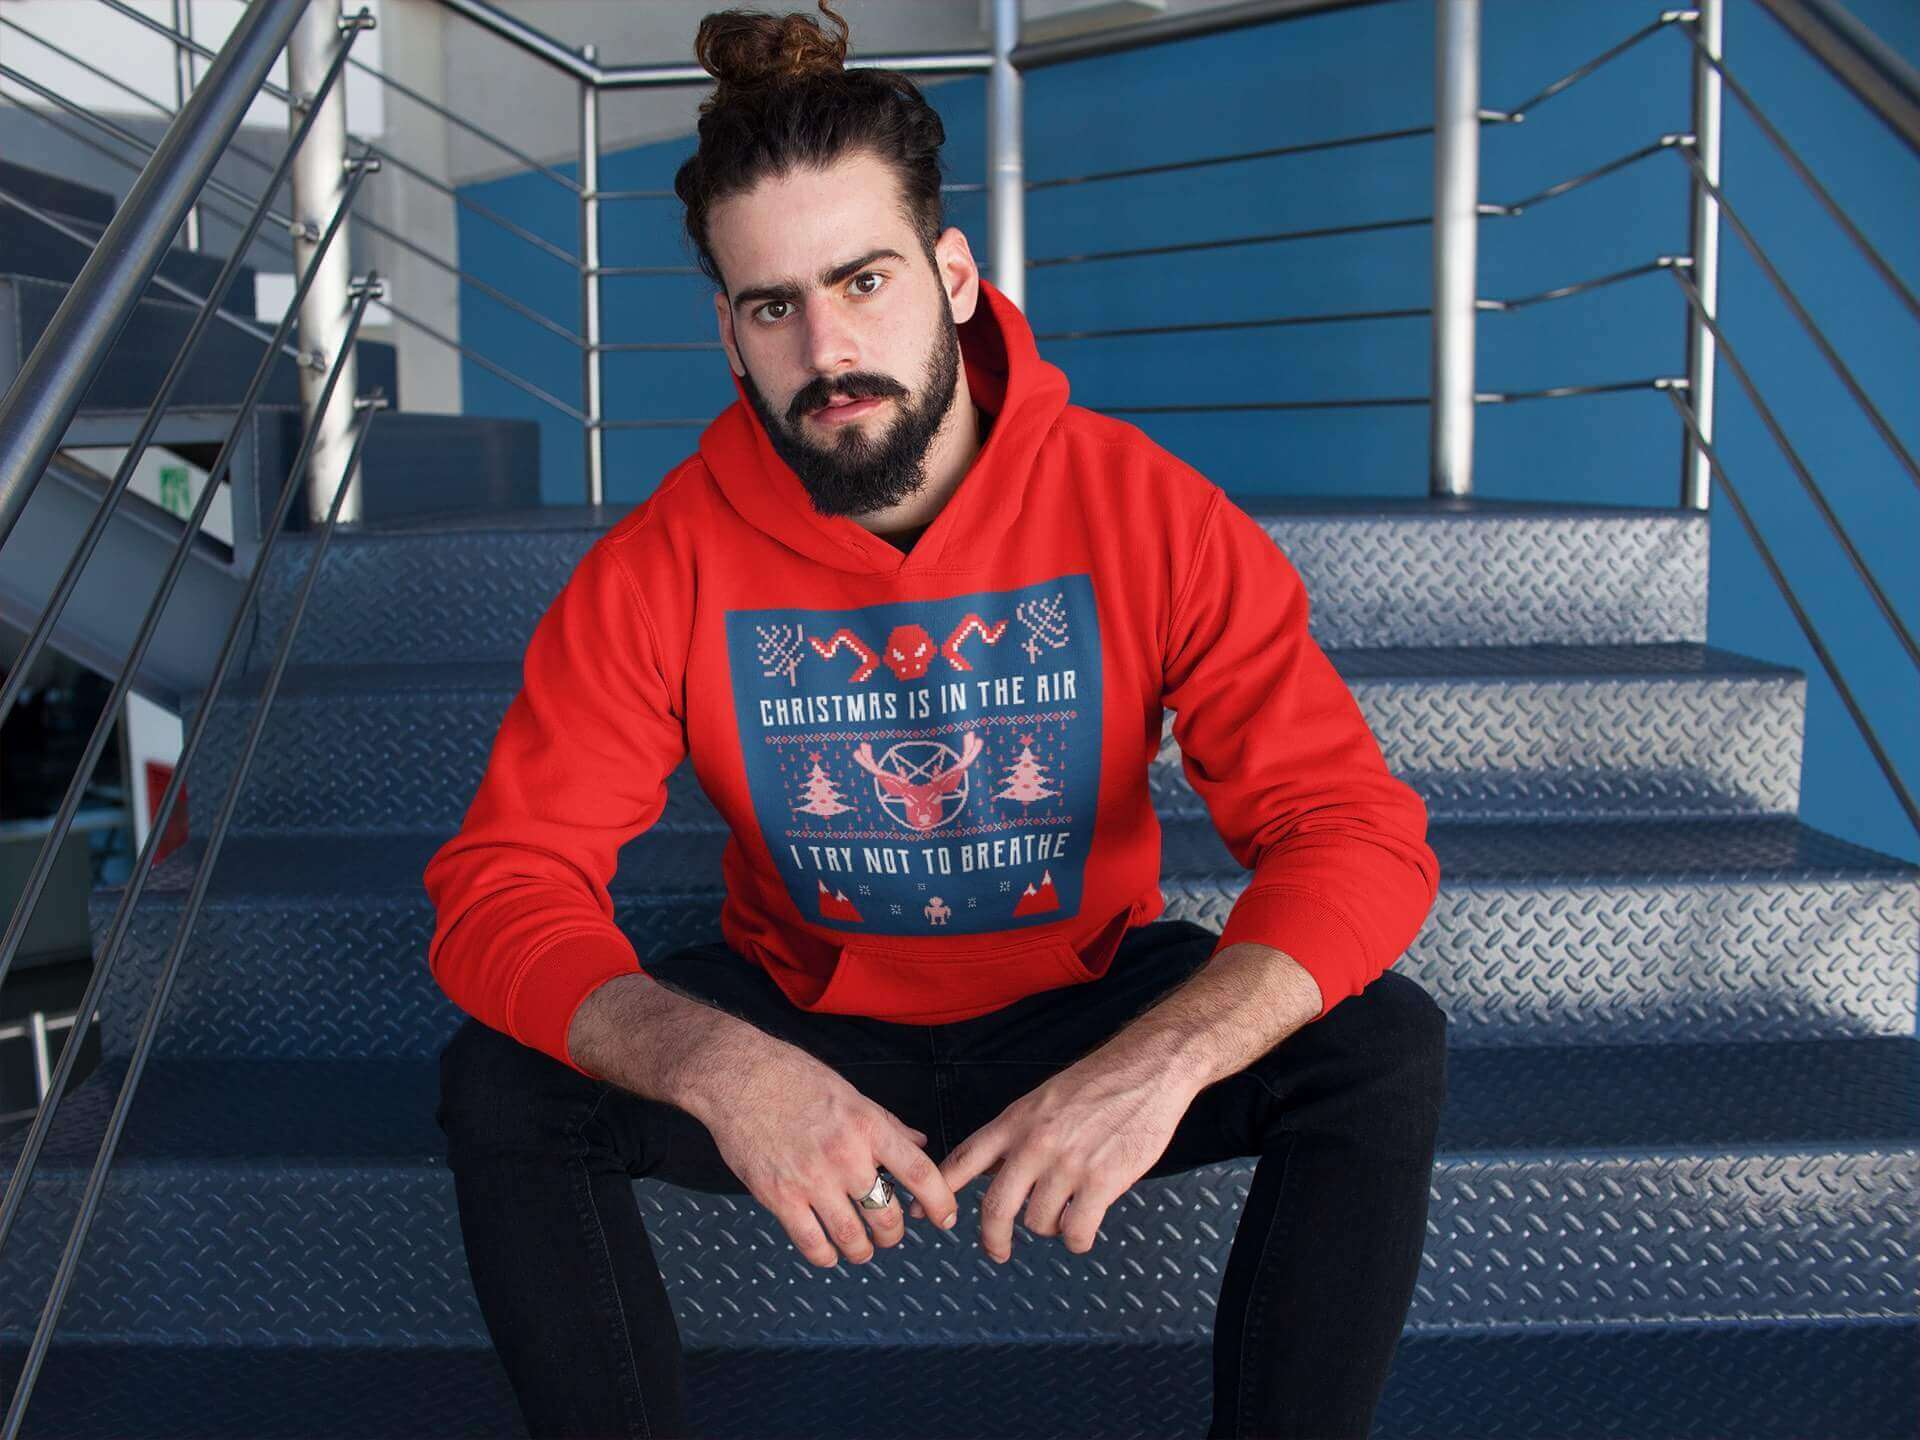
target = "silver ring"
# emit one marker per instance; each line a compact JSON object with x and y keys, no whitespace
{"x":879,"y":1195}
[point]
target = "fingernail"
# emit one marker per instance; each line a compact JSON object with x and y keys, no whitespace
{"x":950,"y":1221}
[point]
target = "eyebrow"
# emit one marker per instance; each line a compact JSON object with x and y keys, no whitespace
{"x":789,"y":290}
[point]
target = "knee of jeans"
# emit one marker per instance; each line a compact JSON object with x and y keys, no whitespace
{"x":499,"y":1094}
{"x":1416,"y":1029}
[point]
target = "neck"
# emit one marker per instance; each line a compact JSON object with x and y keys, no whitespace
{"x":949,"y":456}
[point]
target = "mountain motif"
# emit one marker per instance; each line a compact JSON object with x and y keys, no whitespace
{"x":1038,"y":899}
{"x":834,"y":905}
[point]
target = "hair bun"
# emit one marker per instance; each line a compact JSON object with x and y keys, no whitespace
{"x":748,"y":50}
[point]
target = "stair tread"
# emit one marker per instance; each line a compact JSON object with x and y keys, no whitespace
{"x":1508,"y":1102}
{"x":1394,"y":507}
{"x":686,"y":862}
{"x":1662,"y":660}
{"x":1757,"y":1381}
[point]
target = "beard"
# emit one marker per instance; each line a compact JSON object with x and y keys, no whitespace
{"x":856,"y":472}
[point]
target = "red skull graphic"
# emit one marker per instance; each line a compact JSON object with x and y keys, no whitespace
{"x":910,"y":649}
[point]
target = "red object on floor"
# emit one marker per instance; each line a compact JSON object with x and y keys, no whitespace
{"x":158,"y":775}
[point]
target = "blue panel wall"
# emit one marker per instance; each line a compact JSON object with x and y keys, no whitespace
{"x":1362,"y":71}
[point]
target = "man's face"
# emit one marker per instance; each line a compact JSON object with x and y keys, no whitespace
{"x":845,"y":336}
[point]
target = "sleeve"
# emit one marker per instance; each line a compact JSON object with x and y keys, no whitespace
{"x":1275,"y":745}
{"x":524,"y":927}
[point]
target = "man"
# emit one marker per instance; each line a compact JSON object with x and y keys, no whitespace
{"x":913,"y":617}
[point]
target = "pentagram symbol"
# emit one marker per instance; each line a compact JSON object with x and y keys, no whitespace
{"x":919,"y":762}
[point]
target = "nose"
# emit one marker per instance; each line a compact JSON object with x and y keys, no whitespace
{"x":830,"y":343}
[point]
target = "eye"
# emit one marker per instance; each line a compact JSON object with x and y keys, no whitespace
{"x":873,"y":275}
{"x":760,"y":313}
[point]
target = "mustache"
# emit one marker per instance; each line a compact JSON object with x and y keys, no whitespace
{"x":861,"y":385}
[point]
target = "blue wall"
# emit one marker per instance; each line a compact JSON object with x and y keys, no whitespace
{"x":1359,"y":71}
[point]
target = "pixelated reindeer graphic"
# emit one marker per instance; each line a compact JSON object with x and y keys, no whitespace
{"x":921,"y":797}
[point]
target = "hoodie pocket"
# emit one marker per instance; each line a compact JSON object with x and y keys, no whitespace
{"x":908,"y":987}
{"x":919,"y":988}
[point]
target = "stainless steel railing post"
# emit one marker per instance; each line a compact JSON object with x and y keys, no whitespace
{"x":183,"y":87}
{"x":1696,"y":473}
{"x":1456,"y":237}
{"x":319,"y":178}
{"x":1006,"y":159}
{"x":591,"y":401}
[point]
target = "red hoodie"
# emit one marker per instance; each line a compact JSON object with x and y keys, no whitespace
{"x":933,"y":764}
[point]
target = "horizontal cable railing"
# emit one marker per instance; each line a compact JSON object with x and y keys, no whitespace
{"x":1814,"y":332}
{"x":1800,"y":615}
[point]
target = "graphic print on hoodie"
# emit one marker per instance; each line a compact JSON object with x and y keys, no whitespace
{"x":926,"y":767}
{"x":1006,"y":679}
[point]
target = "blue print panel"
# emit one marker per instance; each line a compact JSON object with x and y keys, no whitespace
{"x":925,"y":767}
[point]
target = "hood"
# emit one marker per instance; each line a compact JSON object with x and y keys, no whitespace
{"x":1022,"y":396}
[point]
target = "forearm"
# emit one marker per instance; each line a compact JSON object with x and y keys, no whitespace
{"x":1244,"y":1001}
{"x":655,"y":1042}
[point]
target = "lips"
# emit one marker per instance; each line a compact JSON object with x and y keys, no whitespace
{"x":847,"y":408}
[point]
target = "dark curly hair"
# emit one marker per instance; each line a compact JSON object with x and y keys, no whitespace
{"x":784,"y":99}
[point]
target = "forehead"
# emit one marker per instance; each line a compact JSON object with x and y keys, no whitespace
{"x":790,"y":226}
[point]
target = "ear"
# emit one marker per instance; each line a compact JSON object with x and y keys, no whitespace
{"x":959,"y":275}
{"x":723,"y":316}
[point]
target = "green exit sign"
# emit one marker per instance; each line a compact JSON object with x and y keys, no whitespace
{"x":173,"y":490}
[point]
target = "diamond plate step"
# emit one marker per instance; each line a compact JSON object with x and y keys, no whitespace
{"x":1381,"y":572}
{"x":1543,"y":731}
{"x":1592,"y":932}
{"x":261,"y":1202}
{"x":152,"y":337}
{"x":1772,"y":1382}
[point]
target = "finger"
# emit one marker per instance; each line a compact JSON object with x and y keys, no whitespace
{"x":1050,"y":1196}
{"x":805,"y":1232}
{"x":973,"y":1156}
{"x":919,"y":1135}
{"x":840,"y":1217}
{"x":1081,"y":1227}
{"x":1018,"y":1175}
{"x":888,"y":1223}
{"x":911,"y":1166}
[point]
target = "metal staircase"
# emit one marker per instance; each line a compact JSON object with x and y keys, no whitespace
{"x":1676,"y":1190}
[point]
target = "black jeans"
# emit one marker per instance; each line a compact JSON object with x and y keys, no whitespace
{"x":1342,"y":1115}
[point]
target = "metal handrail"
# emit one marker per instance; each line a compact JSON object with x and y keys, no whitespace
{"x":48,"y":389}
{"x":1882,"y":81}
{"x":1141,"y":34}
{"x":585,"y":67}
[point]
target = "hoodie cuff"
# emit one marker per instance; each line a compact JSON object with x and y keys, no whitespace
{"x":552,"y":985}
{"x":1308,"y":930}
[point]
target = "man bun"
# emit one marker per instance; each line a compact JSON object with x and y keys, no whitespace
{"x":783,"y":99}
{"x":748,"y":50}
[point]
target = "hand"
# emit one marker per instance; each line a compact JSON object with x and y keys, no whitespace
{"x":1070,"y":1147}
{"x":805,"y":1143}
